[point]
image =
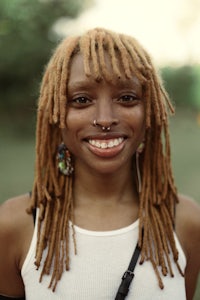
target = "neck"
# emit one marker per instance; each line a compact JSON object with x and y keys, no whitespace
{"x":104,"y":202}
{"x":114,"y":187}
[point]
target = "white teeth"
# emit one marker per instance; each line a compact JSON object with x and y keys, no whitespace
{"x":106,"y":144}
{"x":92,"y":142}
{"x":110,"y":144}
{"x":103,"y":145}
{"x":116,"y":142}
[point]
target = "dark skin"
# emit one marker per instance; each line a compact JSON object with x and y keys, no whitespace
{"x":111,"y":206}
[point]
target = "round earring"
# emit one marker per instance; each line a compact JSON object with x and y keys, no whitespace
{"x":64,"y":160}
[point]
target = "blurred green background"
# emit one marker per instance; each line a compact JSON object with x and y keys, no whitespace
{"x":27,"y":40}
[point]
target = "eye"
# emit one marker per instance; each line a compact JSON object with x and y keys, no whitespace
{"x":128,"y":99}
{"x":80,"y":101}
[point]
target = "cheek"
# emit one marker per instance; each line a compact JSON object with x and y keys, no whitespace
{"x":140,"y":117}
{"x":136,"y":117}
{"x":68,"y":133}
{"x":74,"y":123}
{"x":73,"y":119}
{"x":69,"y":140}
{"x":76,"y":119}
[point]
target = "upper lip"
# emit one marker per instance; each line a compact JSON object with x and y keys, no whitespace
{"x":105,"y":136}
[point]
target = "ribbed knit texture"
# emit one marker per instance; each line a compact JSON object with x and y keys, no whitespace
{"x":95,"y":272}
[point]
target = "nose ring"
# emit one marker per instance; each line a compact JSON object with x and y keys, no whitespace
{"x":103,"y":128}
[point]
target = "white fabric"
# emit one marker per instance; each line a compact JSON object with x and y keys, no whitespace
{"x":96,"y":271}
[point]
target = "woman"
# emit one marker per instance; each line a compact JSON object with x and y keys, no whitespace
{"x":103,"y":184}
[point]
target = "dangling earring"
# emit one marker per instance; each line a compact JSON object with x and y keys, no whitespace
{"x":64,"y":160}
{"x":138,"y":152}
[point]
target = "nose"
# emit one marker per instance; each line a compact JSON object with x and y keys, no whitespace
{"x":105,"y":113}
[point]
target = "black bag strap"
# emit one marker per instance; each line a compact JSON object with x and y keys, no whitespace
{"x":10,"y":298}
{"x":128,"y":275}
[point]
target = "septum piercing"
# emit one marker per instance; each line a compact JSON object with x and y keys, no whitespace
{"x":104,"y":128}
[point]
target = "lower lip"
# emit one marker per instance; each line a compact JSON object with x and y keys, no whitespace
{"x":107,"y":152}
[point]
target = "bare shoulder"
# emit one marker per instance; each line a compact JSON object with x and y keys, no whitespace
{"x":16,"y":229}
{"x":15,"y":206}
{"x":13,"y":214}
{"x":187,"y":202}
{"x":15,"y":222}
{"x":188,"y":215}
{"x":188,"y":231}
{"x":188,"y":222}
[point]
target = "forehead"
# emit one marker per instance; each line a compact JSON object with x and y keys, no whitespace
{"x":77,"y":72}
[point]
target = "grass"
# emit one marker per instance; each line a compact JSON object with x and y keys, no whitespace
{"x":17,"y":160}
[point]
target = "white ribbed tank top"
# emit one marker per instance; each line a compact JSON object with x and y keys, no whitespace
{"x":95,"y":272}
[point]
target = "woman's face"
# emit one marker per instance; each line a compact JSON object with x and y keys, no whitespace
{"x":119,"y":104}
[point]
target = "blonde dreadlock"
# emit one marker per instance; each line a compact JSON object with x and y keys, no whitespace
{"x":52,"y":192}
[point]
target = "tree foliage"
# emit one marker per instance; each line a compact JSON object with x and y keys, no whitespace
{"x":26,"y":42}
{"x":183,"y":85}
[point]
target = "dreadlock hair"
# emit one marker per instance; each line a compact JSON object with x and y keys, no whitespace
{"x":52,"y":192}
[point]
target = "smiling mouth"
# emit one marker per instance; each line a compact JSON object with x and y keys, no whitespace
{"x":104,"y":144}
